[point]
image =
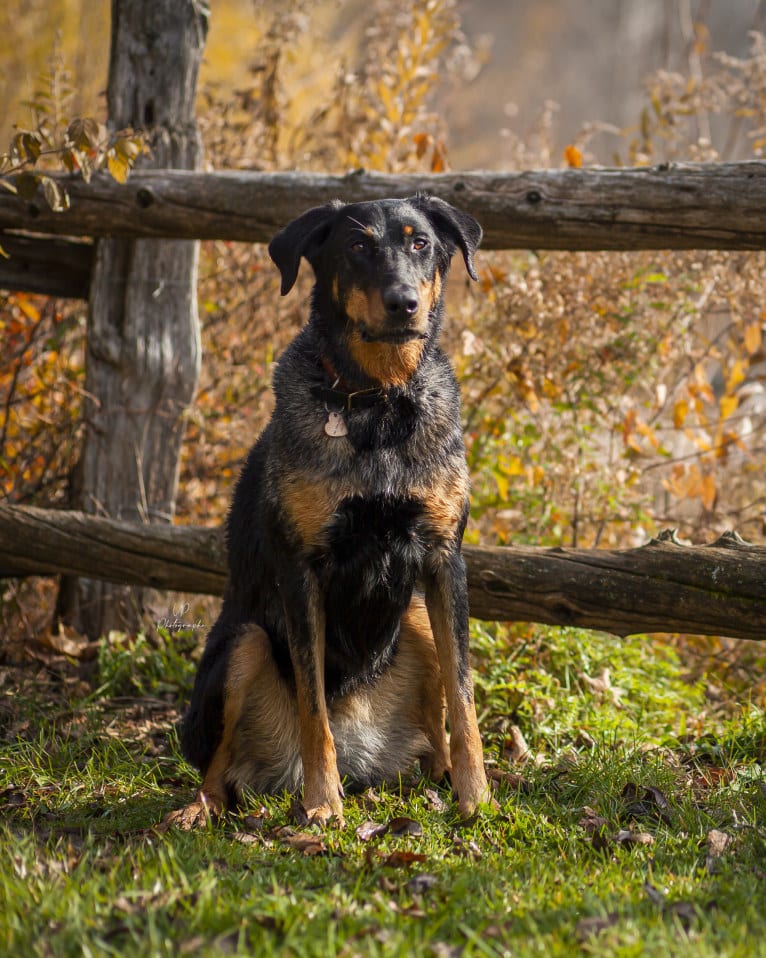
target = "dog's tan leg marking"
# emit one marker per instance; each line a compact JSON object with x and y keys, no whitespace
{"x":241,"y":676}
{"x":468,"y":776}
{"x":427,"y":702}
{"x":322,"y":790}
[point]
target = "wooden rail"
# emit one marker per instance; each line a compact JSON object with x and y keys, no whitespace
{"x":672,"y":206}
{"x":717,"y":589}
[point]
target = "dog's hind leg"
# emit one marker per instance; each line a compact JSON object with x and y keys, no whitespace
{"x":423,"y":687}
{"x":244,"y":670}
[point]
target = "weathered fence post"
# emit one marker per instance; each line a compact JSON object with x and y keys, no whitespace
{"x":142,"y":362}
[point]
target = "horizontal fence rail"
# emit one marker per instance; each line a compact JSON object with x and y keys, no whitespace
{"x":672,"y":206}
{"x":664,"y":586}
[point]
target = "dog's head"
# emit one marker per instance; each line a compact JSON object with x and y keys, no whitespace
{"x":379,"y":269}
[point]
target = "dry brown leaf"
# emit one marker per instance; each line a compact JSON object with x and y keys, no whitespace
{"x":630,"y":839}
{"x":245,"y":838}
{"x":591,"y":821}
{"x":516,"y":748}
{"x":66,"y":640}
{"x":368,"y":830}
{"x":405,"y":826}
{"x":401,"y":859}
{"x":469,"y":849}
{"x":602,"y":685}
{"x":589,"y":927}
{"x":717,"y":845}
{"x":419,"y":884}
{"x":195,"y":815}
{"x":435,"y":802}
{"x":304,"y":842}
{"x":645,"y":802}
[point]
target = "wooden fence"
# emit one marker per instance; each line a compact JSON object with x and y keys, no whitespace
{"x":716,"y":589}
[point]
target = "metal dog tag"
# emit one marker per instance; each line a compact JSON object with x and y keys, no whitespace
{"x":335,"y":425}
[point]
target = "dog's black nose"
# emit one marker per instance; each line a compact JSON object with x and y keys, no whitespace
{"x":400,"y":301}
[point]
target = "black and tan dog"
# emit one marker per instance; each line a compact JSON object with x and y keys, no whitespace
{"x":326,"y":663}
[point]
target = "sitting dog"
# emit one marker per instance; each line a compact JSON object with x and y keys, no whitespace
{"x":345,"y":618}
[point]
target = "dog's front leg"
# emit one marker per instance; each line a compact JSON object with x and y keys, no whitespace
{"x":447,"y":603}
{"x":322,"y":790}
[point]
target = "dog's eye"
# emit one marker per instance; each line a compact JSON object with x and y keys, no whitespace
{"x":358,"y":246}
{"x":419,"y":244}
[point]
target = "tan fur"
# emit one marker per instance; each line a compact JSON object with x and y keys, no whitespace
{"x":378,"y":731}
{"x":309,"y":504}
{"x":444,"y":502}
{"x":468,"y":775}
{"x":388,"y":363}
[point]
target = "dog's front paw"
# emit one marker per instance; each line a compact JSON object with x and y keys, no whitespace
{"x":324,"y":804}
{"x":472,"y":789}
{"x":199,"y":813}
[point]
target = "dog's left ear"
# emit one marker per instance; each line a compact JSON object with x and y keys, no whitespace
{"x":305,"y":236}
{"x":460,"y":229}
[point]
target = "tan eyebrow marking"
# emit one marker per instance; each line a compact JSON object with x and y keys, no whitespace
{"x":408,"y":230}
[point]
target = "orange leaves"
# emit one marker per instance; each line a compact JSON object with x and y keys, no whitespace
{"x":688,"y":481}
{"x":680,"y":412}
{"x":40,"y":390}
{"x":573,"y":157}
{"x":425,"y":142}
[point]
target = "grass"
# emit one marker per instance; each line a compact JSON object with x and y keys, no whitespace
{"x":603,"y":841}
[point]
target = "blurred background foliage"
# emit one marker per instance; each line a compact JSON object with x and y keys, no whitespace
{"x":605,"y":395}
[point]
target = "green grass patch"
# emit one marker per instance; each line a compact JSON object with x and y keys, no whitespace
{"x":634,"y":825}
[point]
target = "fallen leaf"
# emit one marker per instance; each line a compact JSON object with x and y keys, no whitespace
{"x":591,"y":821}
{"x":589,"y":927}
{"x":304,"y":842}
{"x":602,"y":684}
{"x":368,"y":830}
{"x":67,"y":641}
{"x":400,"y":859}
{"x":435,"y":802}
{"x":629,"y":838}
{"x":245,"y":838}
{"x":469,"y":849}
{"x":405,"y":826}
{"x":419,"y":884}
{"x":441,"y":949}
{"x":194,"y":815}
{"x":370,"y":798}
{"x":255,"y":823}
{"x":717,"y":844}
{"x":297,"y":813}
{"x":645,"y":802}
{"x":516,"y":748}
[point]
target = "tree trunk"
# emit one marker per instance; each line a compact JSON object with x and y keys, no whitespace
{"x":142,"y":355}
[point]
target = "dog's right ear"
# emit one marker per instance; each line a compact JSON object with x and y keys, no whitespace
{"x":303,"y":237}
